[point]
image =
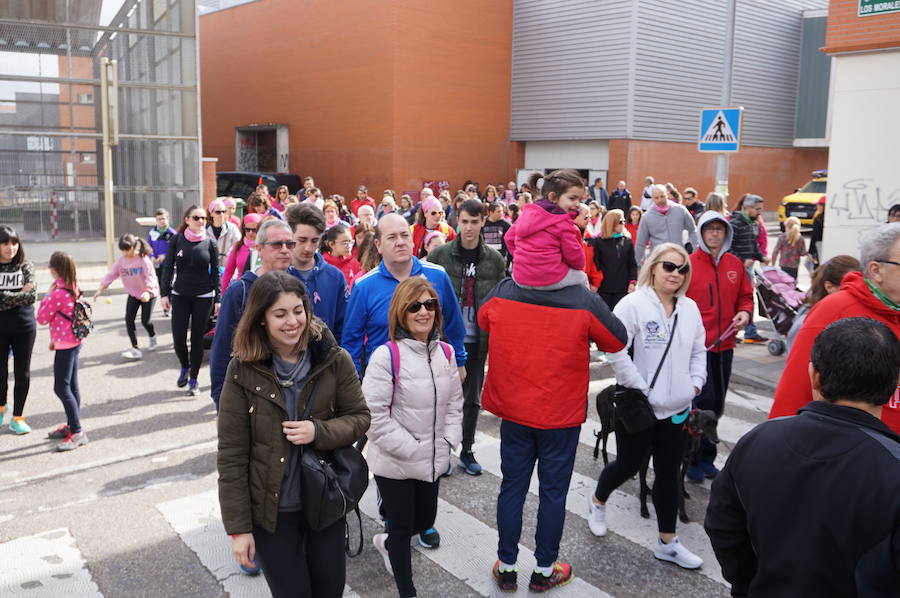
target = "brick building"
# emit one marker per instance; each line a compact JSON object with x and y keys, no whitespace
{"x":391,"y":94}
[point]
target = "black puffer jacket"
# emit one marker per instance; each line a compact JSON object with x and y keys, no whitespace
{"x":745,"y":237}
{"x":615,"y":258}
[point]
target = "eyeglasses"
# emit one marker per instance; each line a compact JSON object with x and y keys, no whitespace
{"x":219,"y":212}
{"x":348,"y":243}
{"x":888,"y":262}
{"x":198,"y":218}
{"x":280,"y":244}
{"x":248,"y":229}
{"x":670,"y":267}
{"x":428,"y":304}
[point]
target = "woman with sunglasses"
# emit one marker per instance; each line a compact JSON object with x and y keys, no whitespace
{"x":416,"y":420}
{"x":614,"y":257}
{"x":219,"y":229}
{"x":190,"y":288}
{"x":429,"y":217}
{"x":240,"y":251}
{"x":657,"y":315}
{"x":280,"y":201}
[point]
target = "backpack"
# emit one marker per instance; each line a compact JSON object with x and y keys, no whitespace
{"x":81,"y":316}
{"x":394,"y":349}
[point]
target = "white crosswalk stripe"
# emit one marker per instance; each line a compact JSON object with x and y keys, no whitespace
{"x":45,"y":564}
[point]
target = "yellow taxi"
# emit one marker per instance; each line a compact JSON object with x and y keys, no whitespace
{"x":802,"y":203}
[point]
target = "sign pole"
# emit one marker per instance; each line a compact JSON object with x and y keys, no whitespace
{"x":727,"y":77}
{"x":109,"y":127}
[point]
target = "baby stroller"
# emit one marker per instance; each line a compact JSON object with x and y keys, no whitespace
{"x":779,"y":300}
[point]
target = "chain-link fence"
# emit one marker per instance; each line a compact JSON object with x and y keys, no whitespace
{"x":51,"y":170}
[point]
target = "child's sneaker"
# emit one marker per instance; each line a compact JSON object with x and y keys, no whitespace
{"x":540,"y":583}
{"x":60,"y":432}
{"x":596,"y":517}
{"x":3,"y":411}
{"x":193,"y":388}
{"x":469,"y":464}
{"x":430,"y":538}
{"x":19,"y":426}
{"x":378,"y":541}
{"x":507,"y":581}
{"x":132,"y":353}
{"x":72,"y":441}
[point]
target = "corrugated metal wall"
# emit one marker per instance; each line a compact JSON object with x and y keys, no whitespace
{"x":669,"y":68}
{"x":815,"y":79}
{"x":570,"y":64}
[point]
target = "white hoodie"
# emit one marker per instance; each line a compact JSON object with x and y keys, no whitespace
{"x":648,"y":329}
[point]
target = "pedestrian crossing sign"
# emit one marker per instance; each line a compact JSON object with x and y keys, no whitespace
{"x":720,"y":129}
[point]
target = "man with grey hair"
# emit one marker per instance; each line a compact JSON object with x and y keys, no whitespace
{"x":274,"y":243}
{"x":873,"y":293}
{"x":665,"y":222}
{"x":745,"y":245}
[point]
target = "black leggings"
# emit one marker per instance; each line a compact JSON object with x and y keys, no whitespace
{"x":410,"y":506}
{"x":131,"y":309}
{"x":22,"y":344}
{"x":193,"y":311}
{"x":668,"y":442}
{"x":300,"y":563}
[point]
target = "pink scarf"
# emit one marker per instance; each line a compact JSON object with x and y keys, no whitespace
{"x":251,"y":243}
{"x":194,"y":237}
{"x":665,"y":209}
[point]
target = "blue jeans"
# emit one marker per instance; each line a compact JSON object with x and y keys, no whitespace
{"x":65,"y":385}
{"x":554,"y":451}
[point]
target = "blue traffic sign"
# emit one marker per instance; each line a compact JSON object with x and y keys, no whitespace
{"x":720,"y":129}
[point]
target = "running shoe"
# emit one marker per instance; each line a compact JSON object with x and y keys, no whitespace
{"x":430,"y":538}
{"x":59,"y":433}
{"x":540,"y":583}
{"x":153,"y":343}
{"x":72,"y":441}
{"x":596,"y":517}
{"x":755,"y":339}
{"x":193,"y":388}
{"x":132,"y":353}
{"x":675,"y":552}
{"x":3,"y":412}
{"x":182,"y":378}
{"x":469,"y":464}
{"x":19,"y":426}
{"x":507,"y":581}
{"x":378,"y":540}
{"x":250,"y":571}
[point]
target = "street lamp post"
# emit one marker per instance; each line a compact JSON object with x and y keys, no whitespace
{"x":725,"y":98}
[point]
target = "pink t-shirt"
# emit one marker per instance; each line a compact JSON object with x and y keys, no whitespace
{"x":59,"y":301}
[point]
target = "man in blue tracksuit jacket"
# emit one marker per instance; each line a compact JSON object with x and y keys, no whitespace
{"x":366,"y":322}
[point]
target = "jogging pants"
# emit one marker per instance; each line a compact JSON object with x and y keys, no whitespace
{"x":65,"y":385}
{"x":668,"y":442}
{"x":193,"y":312}
{"x":409,"y":506}
{"x":300,"y":563}
{"x":712,"y":396}
{"x":22,"y":344}
{"x":131,"y":309}
{"x":472,"y":395}
{"x":554,"y":451}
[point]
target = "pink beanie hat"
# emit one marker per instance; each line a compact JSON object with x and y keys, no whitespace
{"x":431,"y":235}
{"x":216,"y":204}
{"x":252,"y":218}
{"x":229,"y":202}
{"x":431,"y":204}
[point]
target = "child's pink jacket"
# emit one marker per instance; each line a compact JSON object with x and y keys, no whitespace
{"x":59,"y":301}
{"x":137,"y":274}
{"x":544,"y":246}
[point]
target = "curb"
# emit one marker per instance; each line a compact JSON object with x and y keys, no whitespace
{"x":753,"y":382}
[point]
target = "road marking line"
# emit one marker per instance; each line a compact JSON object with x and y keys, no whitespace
{"x":46,"y":564}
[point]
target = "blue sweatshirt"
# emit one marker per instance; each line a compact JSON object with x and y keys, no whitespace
{"x":366,"y":324}
{"x":327,"y":290}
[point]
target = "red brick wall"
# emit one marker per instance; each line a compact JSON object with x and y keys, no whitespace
{"x":848,"y":32}
{"x":381,"y":94}
{"x":769,"y":172}
{"x":209,"y":180}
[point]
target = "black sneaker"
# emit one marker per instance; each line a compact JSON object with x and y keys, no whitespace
{"x":430,"y":538}
{"x":507,"y":581}
{"x":540,"y":583}
{"x":183,"y":378}
{"x":59,"y":433}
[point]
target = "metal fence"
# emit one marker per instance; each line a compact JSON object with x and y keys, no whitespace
{"x":51,"y":170}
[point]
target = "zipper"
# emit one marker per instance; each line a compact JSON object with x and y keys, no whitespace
{"x":433,"y":418}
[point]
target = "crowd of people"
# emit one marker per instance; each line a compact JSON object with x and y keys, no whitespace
{"x":387,"y":326}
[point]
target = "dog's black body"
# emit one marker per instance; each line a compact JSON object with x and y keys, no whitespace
{"x":700,"y":422}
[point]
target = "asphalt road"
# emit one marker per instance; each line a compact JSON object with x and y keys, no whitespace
{"x":133,"y":513}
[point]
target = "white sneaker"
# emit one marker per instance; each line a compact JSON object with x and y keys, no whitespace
{"x":378,"y":541}
{"x":152,"y":346}
{"x":675,"y":552}
{"x":596,"y":517}
{"x":132,"y":353}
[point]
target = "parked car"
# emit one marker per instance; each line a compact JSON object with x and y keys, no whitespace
{"x":242,"y":184}
{"x":802,"y":203}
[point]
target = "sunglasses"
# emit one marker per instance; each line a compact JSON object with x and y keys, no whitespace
{"x":621,"y":222}
{"x":428,"y":304}
{"x":436,"y":213}
{"x":219,"y":212}
{"x":198,"y":218}
{"x":249,"y":229}
{"x":670,"y":267}
{"x":280,"y":244}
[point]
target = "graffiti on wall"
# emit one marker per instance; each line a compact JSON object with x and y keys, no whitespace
{"x":863,"y":200}
{"x":246,"y":151}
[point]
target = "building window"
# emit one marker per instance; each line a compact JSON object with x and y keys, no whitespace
{"x":85,"y":98}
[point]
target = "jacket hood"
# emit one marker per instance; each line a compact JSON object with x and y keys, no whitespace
{"x":707,"y":217}
{"x":249,"y":276}
{"x":534,"y":219}
{"x":855,"y":284}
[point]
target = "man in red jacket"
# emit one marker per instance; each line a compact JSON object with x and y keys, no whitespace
{"x":874,"y":293}
{"x":724,"y":295}
{"x":362,"y":199}
{"x":537,"y":382}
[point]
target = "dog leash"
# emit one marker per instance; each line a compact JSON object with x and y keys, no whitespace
{"x":732,"y":329}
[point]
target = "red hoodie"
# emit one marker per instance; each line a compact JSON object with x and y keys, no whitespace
{"x":720,"y":291}
{"x":350,"y":267}
{"x":853,"y":300}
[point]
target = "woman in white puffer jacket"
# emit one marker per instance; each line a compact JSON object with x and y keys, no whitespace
{"x":415,"y":421}
{"x":654,"y":313}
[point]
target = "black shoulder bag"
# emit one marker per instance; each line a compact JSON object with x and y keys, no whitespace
{"x":332,"y":484}
{"x":633,"y":408}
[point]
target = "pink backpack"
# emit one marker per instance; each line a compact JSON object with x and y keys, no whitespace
{"x":395,"y":364}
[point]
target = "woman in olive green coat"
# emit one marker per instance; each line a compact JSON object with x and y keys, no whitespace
{"x":283,"y":355}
